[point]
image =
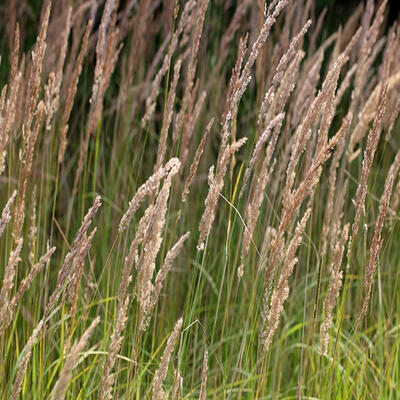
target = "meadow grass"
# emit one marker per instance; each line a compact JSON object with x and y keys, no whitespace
{"x":199,"y":200}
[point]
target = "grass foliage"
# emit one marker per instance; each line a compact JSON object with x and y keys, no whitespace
{"x":200,"y":200}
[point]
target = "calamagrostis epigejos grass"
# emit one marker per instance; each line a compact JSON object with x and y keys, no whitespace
{"x":329,"y":210}
{"x":335,"y":284}
{"x":8,"y":283}
{"x":61,"y":385}
{"x":10,"y":106}
{"x":23,"y":365}
{"x":257,"y":196}
{"x":297,"y":196}
{"x":161,"y":373}
{"x":184,"y":115}
{"x":107,"y":377}
{"x":376,"y":243}
{"x":36,"y":70}
{"x":257,"y":149}
{"x":163,"y":271}
{"x":71,"y":92}
{"x":156,"y":84}
{"x":72,"y":290}
{"x":216,"y":186}
{"x":281,"y":292}
{"x":6,"y":214}
{"x":238,"y":84}
{"x":177,"y":386}
{"x":203,"y":389}
{"x":368,"y":113}
{"x":30,"y":138}
{"x":147,"y":189}
{"x":369,"y":153}
{"x":33,"y":227}
{"x":11,"y":308}
{"x":162,"y":146}
{"x":107,"y":53}
{"x":53,"y":86}
{"x":150,"y":248}
{"x":368,"y":39}
{"x":80,"y":245}
{"x":196,"y":160}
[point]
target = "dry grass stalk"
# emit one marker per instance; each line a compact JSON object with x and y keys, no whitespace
{"x":101,"y":48}
{"x":150,"y":248}
{"x":240,"y":80}
{"x":281,"y":292}
{"x":196,"y":160}
{"x":165,"y":268}
{"x":33,"y":229}
{"x":203,"y":389}
{"x":133,"y":257}
{"x":52,"y":89}
{"x":317,"y":30}
{"x":216,"y":186}
{"x":306,"y":92}
{"x":257,"y":196}
{"x":192,"y":65}
{"x":376,"y":244}
{"x":23,"y":365}
{"x":368,"y":40}
{"x":291,"y":52}
{"x":296,"y":197}
{"x":79,"y":247}
{"x":2,"y":102}
{"x":229,"y":107}
{"x":394,"y":169}
{"x":328,"y":113}
{"x":107,"y":377}
{"x":61,"y":385}
{"x":303,"y":133}
{"x":329,"y":209}
{"x":7,"y":122}
{"x":233,"y":27}
{"x":72,"y":289}
{"x":352,"y":24}
{"x":260,"y":143}
{"x":162,"y":146}
{"x":270,"y":20}
{"x":107,"y":53}
{"x":286,"y":86}
{"x":177,"y":386}
{"x":335,"y":283}
{"x":72,"y":91}
{"x":345,"y":84}
{"x":6,"y":214}
{"x":161,"y":373}
{"x":369,"y":153}
{"x":393,"y":118}
{"x":8,"y":284}
{"x":36,"y":70}
{"x":184,"y":22}
{"x":368,"y":113}
{"x":23,"y":287}
{"x":189,"y":123}
{"x":147,"y":189}
{"x":28,"y":150}
{"x":77,"y":265}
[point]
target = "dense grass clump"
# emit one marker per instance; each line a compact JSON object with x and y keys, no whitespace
{"x":200,"y":200}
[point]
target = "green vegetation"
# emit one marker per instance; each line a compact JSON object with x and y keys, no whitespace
{"x":200,"y":200}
